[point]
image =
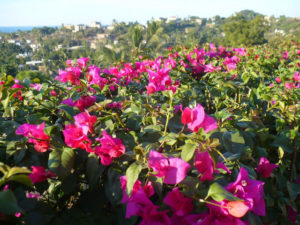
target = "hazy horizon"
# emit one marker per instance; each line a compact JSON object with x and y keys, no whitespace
{"x":57,"y":12}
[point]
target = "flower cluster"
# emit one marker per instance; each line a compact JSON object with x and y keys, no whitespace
{"x":76,"y":135}
{"x":36,"y":135}
{"x":110,"y":148}
{"x":196,"y":118}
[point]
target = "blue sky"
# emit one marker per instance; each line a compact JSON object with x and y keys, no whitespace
{"x":56,"y":12}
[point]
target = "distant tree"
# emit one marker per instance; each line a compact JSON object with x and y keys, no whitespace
{"x":31,"y":75}
{"x":9,"y":69}
{"x":239,"y":29}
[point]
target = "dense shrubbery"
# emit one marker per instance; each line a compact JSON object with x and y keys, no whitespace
{"x":199,"y":136}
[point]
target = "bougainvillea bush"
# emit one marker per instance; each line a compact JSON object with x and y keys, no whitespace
{"x":198,"y":136}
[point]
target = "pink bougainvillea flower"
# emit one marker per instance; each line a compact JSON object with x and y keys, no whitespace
{"x":292,"y":214}
{"x":140,"y":205}
{"x":159,"y":81}
{"x":17,"y":86}
{"x":68,"y":101}
{"x":151,"y":216}
{"x":231,"y":66}
{"x":18,"y":214}
{"x":39,"y":174}
{"x":110,"y":148}
{"x":76,"y":138}
{"x":265,"y":168}
{"x":114,"y":105}
{"x":289,"y":85}
{"x":237,"y":208}
{"x":278,"y":80}
{"x":219,"y":215}
{"x":69,"y":63}
{"x":285,"y":55}
{"x":137,"y":204}
{"x":36,"y":135}
{"x":53,"y":93}
{"x":6,"y":187}
{"x":148,"y":189}
{"x":85,"y":101}
{"x":36,"y":86}
{"x":210,"y":68}
{"x":71,"y":74}
{"x":187,"y":116}
{"x":177,"y":108}
{"x":221,"y":166}
{"x":204,"y":164}
{"x":82,"y":62}
{"x":297,"y":76}
{"x":196,"y":118}
{"x":172,"y":169}
{"x":85,"y":121}
{"x":33,"y":194}
{"x":251,"y":191}
{"x":93,"y":76}
{"x":180,"y":205}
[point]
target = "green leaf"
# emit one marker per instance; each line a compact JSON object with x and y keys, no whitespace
{"x":21,"y":178}
{"x":218,"y":193}
{"x":112,"y":187}
{"x":245,"y":77}
{"x":234,"y":142}
{"x":132,"y":174}
{"x":253,"y":219}
{"x":188,"y":150}
{"x":8,"y":203}
{"x":17,"y":170}
{"x":49,"y":129}
{"x":68,"y":110}
{"x":293,"y":189}
{"x":93,"y":170}
{"x":169,"y":139}
{"x":223,"y":114}
{"x":61,"y":161}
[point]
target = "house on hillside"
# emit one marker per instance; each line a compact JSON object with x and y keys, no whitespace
{"x":278,"y":31}
{"x":173,"y":19}
{"x":111,"y":27}
{"x":95,"y":24}
{"x":68,"y":26}
{"x":79,"y":27}
{"x":11,"y":41}
{"x":75,"y":47}
{"x":101,"y":37}
{"x":35,"y":46}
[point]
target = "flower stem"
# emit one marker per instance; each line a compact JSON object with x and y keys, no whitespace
{"x":169,"y":110}
{"x":211,"y":203}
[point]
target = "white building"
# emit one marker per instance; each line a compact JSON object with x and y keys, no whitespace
{"x":101,"y":36}
{"x":68,"y":26}
{"x":198,"y":21}
{"x":34,"y":63}
{"x":24,"y":55}
{"x":75,"y":47}
{"x":58,"y":47}
{"x":93,"y":44}
{"x":111,"y":27}
{"x":35,"y":46}
{"x":278,"y":31}
{"x":79,"y":27}
{"x":172,"y":19}
{"x":11,"y":41}
{"x":95,"y":24}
